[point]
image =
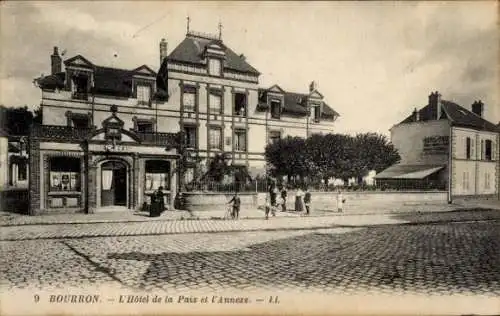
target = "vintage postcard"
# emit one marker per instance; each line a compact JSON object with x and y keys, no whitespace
{"x":249,"y":158}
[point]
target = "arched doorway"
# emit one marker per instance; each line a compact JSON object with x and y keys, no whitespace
{"x":113,"y":183}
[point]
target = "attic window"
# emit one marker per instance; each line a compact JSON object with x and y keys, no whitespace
{"x":80,"y":87}
{"x":317,"y":113}
{"x":275,"y":109}
{"x":214,"y":67}
{"x":143,"y":94}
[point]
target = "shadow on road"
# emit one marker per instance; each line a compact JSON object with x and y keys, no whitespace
{"x":459,"y":215}
{"x":423,"y":258}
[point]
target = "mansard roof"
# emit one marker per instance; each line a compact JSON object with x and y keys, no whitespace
{"x":296,"y":103}
{"x":191,"y":50}
{"x":107,"y":80}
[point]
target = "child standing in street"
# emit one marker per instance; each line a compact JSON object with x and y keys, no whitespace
{"x":236,"y":205}
{"x":307,"y":201}
{"x":340,"y":201}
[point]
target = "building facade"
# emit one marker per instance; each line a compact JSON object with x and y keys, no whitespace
{"x":448,"y":147}
{"x":110,"y":136}
{"x":222,"y":109}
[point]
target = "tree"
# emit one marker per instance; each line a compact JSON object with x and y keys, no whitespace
{"x":288,"y":157}
{"x":16,"y":121}
{"x":370,"y":151}
{"x":327,"y":155}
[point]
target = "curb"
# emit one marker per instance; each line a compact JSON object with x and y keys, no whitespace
{"x":215,"y":218}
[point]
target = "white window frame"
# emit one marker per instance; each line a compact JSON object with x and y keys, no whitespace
{"x":240,"y":135}
{"x":212,"y":139}
{"x":187,"y":142}
{"x":211,"y":98}
{"x":214,"y":67}
{"x":143,"y":94}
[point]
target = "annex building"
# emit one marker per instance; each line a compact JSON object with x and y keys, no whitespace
{"x":445,"y":146}
{"x":110,"y":136}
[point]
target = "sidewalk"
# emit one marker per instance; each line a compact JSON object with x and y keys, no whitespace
{"x":217,"y":213}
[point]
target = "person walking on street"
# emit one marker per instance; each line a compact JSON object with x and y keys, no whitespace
{"x":273,"y":192}
{"x":236,"y":205}
{"x":307,"y":201}
{"x":340,"y":201}
{"x":283,"y":197}
{"x":267,"y":207}
{"x":299,"y":202}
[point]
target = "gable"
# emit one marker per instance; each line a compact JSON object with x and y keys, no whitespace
{"x":78,"y":60}
{"x":315,"y":94}
{"x":144,"y":70}
{"x":276,"y":89}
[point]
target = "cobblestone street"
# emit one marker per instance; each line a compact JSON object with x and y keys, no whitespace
{"x":446,"y":258}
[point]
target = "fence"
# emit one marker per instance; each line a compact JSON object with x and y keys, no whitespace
{"x":262,"y":185}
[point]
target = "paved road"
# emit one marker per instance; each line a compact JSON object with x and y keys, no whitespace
{"x":155,"y":227}
{"x":446,"y":258}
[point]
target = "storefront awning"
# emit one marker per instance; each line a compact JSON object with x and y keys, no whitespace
{"x":409,"y":171}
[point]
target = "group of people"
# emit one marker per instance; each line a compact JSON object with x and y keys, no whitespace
{"x":277,"y":198}
{"x":303,"y":199}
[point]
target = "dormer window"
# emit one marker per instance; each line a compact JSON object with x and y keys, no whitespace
{"x":80,"y":87}
{"x":275,"y":109}
{"x":317,"y":113}
{"x":214,"y":67}
{"x":143,"y":94}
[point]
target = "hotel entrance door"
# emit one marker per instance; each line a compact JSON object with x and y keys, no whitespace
{"x":114,"y":183}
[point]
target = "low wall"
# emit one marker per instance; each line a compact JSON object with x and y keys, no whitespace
{"x":368,"y":199}
{"x":194,"y":201}
{"x":320,"y":200}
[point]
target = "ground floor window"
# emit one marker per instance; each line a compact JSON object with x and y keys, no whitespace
{"x":64,"y":174}
{"x":157,"y":175}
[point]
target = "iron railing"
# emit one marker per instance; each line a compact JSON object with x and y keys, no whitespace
{"x":68,"y":133}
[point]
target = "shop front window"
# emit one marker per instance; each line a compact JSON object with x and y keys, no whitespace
{"x":157,"y":175}
{"x":64,"y":174}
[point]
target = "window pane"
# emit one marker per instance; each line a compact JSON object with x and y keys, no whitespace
{"x":214,"y":135}
{"x":214,"y":67}
{"x":488,"y":149}
{"x":64,"y":174}
{"x":157,"y":175}
{"x":145,"y":127}
{"x":189,"y":101}
{"x":317,"y":113}
{"x":240,"y":140}
{"x":215,"y":103}
{"x":190,"y":140}
{"x":275,"y":109}
{"x":143,"y":94}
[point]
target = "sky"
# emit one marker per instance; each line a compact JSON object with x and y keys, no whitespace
{"x":374,"y":62}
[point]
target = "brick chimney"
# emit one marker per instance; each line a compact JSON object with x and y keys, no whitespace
{"x":478,"y":108}
{"x":416,"y":115}
{"x":313,"y":86}
{"x":435,"y":101}
{"x":55,"y":61}
{"x":163,"y":50}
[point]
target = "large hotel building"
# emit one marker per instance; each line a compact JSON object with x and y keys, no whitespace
{"x":110,"y":136}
